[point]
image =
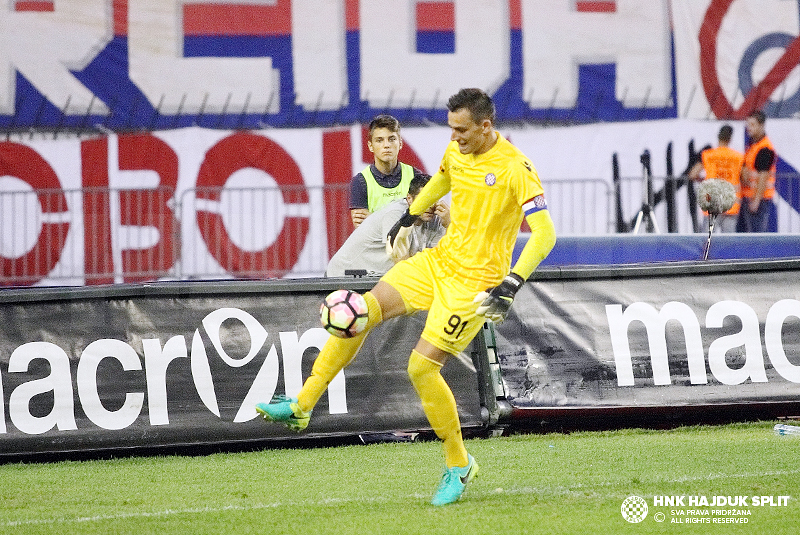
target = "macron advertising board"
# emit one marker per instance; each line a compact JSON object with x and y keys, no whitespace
{"x":168,"y":364}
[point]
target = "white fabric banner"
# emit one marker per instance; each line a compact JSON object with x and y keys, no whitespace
{"x":199,"y":203}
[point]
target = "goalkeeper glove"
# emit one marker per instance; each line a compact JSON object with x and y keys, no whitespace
{"x":496,"y":302}
{"x":405,"y":221}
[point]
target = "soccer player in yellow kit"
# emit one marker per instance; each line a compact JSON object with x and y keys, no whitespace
{"x":464,"y":280}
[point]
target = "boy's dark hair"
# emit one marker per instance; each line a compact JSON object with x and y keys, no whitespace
{"x":759,"y":116}
{"x":725,"y":133}
{"x":477,"y":101}
{"x":384,"y":121}
{"x":417,"y":183}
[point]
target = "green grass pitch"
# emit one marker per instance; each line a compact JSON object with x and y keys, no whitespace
{"x":555,"y":483}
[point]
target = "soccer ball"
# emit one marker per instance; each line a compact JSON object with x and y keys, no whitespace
{"x":344,"y":313}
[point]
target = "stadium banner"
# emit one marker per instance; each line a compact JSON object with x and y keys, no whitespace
{"x":140,"y":366}
{"x":196,"y":202}
{"x":182,"y":364}
{"x":654,"y":336}
{"x":158,"y":64}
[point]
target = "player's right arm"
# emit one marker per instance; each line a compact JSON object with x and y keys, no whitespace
{"x":436,"y":188}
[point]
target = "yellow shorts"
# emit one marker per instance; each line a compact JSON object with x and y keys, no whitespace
{"x":426,"y":282}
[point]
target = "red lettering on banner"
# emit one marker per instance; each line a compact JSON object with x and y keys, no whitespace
{"x":97,"y":253}
{"x":337,"y":172}
{"x":148,"y":207}
{"x":596,"y":6}
{"x":759,"y":95}
{"x":515,"y":14}
{"x":436,"y":16}
{"x":351,"y":16}
{"x":43,"y":7}
{"x":241,"y":151}
{"x":24,"y":163}
{"x":120,"y":8}
{"x":242,"y":19}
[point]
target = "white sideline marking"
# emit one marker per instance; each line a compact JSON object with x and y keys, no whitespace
{"x":376,"y":499}
{"x":143,"y":514}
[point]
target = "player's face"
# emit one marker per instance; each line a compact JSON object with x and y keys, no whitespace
{"x":470,"y":136}
{"x":385,"y":145}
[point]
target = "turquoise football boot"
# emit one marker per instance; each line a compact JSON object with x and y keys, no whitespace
{"x":286,"y":411}
{"x":454,"y":481}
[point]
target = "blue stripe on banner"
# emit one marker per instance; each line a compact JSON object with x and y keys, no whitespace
{"x":436,"y":42}
{"x":534,"y":205}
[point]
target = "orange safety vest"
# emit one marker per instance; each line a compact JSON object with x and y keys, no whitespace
{"x":724,"y":163}
{"x":749,"y":181}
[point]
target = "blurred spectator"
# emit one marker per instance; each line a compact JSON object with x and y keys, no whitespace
{"x":758,"y":177}
{"x":386,"y":179}
{"x":366,"y":250}
{"x":723,"y":163}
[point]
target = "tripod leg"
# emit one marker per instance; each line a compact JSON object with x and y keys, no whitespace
{"x":638,"y":223}
{"x":654,"y":223}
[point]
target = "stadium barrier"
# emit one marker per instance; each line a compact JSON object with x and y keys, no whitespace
{"x":180,"y":364}
{"x":616,"y":249}
{"x":92,"y":236}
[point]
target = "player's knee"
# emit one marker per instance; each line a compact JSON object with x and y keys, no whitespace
{"x":420,"y":367}
{"x":374,"y":312}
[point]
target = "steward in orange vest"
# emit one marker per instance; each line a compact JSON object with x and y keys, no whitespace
{"x":758,"y":177}
{"x":723,"y":163}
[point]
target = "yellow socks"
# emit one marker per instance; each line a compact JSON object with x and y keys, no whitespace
{"x":437,"y":399}
{"x":335,"y":355}
{"x":439,"y":406}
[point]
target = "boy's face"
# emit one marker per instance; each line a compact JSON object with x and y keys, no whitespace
{"x":385,"y":145}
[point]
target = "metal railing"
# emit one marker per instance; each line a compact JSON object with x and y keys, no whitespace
{"x":105,"y":236}
{"x":685,"y":216}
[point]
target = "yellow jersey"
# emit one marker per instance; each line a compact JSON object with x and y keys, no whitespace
{"x":490,"y":195}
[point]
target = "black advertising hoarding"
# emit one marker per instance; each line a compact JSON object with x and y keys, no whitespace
{"x":665,"y":335}
{"x":183,"y":364}
{"x":172,"y":364}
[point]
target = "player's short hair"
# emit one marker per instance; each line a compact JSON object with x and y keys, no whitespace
{"x":759,"y":116}
{"x":384,"y":121}
{"x":725,"y":133}
{"x":417,"y":183}
{"x":477,"y":101}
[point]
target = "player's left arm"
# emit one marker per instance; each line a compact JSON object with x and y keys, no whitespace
{"x":540,"y":243}
{"x":436,"y":188}
{"x":496,"y":302}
